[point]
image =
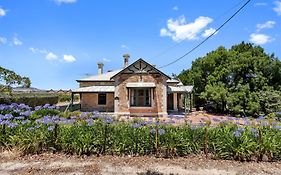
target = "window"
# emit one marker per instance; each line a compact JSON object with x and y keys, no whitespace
{"x":102,"y":99}
{"x":140,"y":97}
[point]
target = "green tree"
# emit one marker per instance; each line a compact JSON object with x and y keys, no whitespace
{"x":241,"y":80}
{"x":9,"y":79}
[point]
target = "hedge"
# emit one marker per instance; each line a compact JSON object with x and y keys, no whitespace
{"x":31,"y":99}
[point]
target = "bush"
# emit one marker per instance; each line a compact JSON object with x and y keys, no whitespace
{"x":31,"y":99}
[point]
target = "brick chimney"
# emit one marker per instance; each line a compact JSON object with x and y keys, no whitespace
{"x":126,"y":60}
{"x":100,"y":68}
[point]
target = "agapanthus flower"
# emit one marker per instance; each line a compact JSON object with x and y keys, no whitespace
{"x":30,"y":128}
{"x":51,"y":128}
{"x":136,"y":125}
{"x":26,"y":113}
{"x":8,"y":116}
{"x":277,"y":127}
{"x":19,"y":118}
{"x":25,"y":121}
{"x":90,"y":122}
{"x":108,"y":119}
{"x":237,"y":133}
{"x":161,"y":131}
{"x":152,"y":131}
{"x":12,"y":125}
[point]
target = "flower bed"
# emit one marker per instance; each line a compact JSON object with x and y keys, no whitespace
{"x":46,"y":129}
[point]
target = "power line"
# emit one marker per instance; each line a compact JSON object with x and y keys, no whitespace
{"x":202,"y":42}
{"x":179,"y":43}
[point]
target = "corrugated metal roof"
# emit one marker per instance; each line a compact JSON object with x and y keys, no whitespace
{"x":102,"y":77}
{"x":179,"y":89}
{"x":95,"y":89}
{"x":140,"y":84}
{"x":173,"y":81}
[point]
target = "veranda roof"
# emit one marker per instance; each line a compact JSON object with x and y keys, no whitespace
{"x":179,"y":89}
{"x":95,"y":89}
{"x":140,"y":84}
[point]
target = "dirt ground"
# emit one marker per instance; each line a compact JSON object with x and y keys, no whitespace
{"x":12,"y":163}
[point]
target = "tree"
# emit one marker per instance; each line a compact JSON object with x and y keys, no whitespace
{"x":234,"y":79}
{"x":9,"y":78}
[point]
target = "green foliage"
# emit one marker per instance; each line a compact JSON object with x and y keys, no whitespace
{"x":67,"y":97}
{"x":9,"y":78}
{"x":241,"y":80}
{"x":91,"y":133}
{"x":31,"y":99}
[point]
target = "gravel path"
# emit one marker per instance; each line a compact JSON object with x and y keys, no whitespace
{"x":47,"y":163}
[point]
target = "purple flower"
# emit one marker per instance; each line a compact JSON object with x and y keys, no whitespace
{"x":68,"y":121}
{"x":161,"y":131}
{"x":216,"y":119}
{"x":95,"y":112}
{"x":19,"y":118}
{"x":38,"y":108}
{"x":277,"y":127}
{"x":51,"y":128}
{"x":37,"y":126}
{"x":157,"y":123}
{"x":171,"y":121}
{"x":108,"y":120}
{"x":46,"y":120}
{"x":8,"y":116}
{"x":152,"y":131}
{"x":12,"y":125}
{"x":26,"y":113}
{"x":90,"y":122}
{"x":237,"y":133}
{"x":264,"y":123}
{"x":30,"y":129}
{"x":25,"y":121}
{"x":254,"y":131}
{"x":136,"y":125}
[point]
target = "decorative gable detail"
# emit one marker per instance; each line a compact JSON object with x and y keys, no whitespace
{"x":140,"y":67}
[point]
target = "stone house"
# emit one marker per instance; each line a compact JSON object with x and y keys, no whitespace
{"x":139,"y":89}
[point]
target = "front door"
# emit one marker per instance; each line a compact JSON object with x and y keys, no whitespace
{"x":170,"y":102}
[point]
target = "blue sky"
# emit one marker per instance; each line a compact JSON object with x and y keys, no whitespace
{"x":55,"y":42}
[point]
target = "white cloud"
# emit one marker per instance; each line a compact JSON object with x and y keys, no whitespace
{"x":16,"y":41}
{"x":69,"y":58}
{"x":266,"y":25}
{"x":260,"y":38}
{"x":65,"y":1}
{"x":175,"y":8}
{"x":179,"y":30}
{"x":260,"y":4}
{"x":106,"y":60}
{"x":124,"y":46}
{"x":51,"y":56}
{"x":277,"y":8}
{"x":36,"y":50}
{"x":209,"y":32}
{"x":3,"y":40}
{"x":2,"y":12}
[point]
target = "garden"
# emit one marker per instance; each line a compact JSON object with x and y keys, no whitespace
{"x":46,"y":129}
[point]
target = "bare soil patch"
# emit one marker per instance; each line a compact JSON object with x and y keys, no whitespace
{"x":48,"y":163}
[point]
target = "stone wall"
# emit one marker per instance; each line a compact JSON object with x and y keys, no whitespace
{"x":89,"y":102}
{"x":159,"y":95}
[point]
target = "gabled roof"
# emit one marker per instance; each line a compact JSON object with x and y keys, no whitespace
{"x":140,"y":66}
{"x":102,"y":77}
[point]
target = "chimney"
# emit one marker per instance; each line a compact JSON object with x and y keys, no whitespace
{"x":100,"y":68}
{"x":126,"y":60}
